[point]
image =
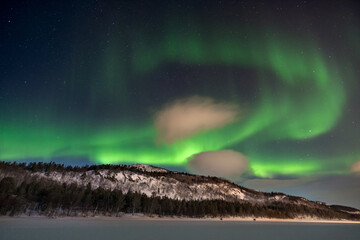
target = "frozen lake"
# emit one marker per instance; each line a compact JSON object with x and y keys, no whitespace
{"x":80,"y":228}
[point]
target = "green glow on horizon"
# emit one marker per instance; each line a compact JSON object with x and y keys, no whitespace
{"x":268,"y":169}
{"x":307,"y":103}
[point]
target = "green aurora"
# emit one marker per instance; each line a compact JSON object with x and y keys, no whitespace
{"x":283,"y":111}
{"x":302,"y":96}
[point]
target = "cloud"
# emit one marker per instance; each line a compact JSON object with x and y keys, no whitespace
{"x":355,"y":168}
{"x":225,"y":163}
{"x":189,"y":116}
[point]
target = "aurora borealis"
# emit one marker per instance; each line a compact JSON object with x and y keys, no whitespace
{"x":82,"y":83}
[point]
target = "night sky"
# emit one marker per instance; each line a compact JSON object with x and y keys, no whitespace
{"x":264,"y":93}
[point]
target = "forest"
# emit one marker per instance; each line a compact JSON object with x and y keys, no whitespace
{"x":39,"y":196}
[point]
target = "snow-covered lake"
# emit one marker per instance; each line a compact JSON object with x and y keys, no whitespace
{"x":80,"y":228}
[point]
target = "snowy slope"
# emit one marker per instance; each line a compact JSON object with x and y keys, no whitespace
{"x":148,"y":168}
{"x":153,"y":181}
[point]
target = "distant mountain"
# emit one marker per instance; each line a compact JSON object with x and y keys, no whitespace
{"x":52,"y":189}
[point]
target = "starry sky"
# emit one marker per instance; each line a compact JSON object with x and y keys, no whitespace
{"x":264,"y":93}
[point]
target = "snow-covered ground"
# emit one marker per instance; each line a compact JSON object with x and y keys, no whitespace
{"x":153,"y":181}
{"x":142,"y":217}
{"x":150,"y":186}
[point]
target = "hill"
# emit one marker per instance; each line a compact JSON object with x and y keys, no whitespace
{"x":54,"y":190}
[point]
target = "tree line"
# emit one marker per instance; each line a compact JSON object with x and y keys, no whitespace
{"x":52,"y":199}
{"x":24,"y":195}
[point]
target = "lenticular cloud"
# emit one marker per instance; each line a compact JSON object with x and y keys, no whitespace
{"x":355,"y":168}
{"x":189,"y":116}
{"x":225,"y":163}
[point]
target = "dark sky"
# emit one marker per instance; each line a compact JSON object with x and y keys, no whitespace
{"x":267,"y":90}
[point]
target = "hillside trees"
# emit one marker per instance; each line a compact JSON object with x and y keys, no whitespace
{"x":21,"y":195}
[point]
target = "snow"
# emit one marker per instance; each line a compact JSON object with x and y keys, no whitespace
{"x":279,"y":197}
{"x":351,"y":212}
{"x":148,"y":168}
{"x":163,"y":185}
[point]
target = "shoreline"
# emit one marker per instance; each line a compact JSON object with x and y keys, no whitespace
{"x":141,"y":217}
